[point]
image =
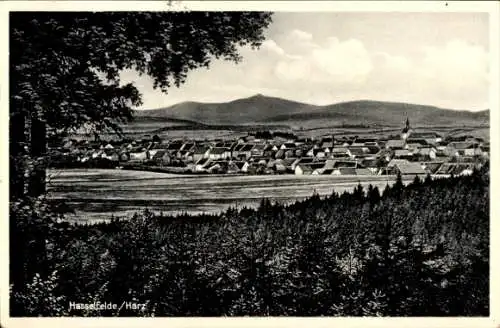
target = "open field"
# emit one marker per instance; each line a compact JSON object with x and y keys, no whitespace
{"x":98,"y":194}
{"x":180,"y":130}
{"x":384,"y":131}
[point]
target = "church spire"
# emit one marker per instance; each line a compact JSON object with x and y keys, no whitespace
{"x":406,"y":130}
{"x":407,"y":126}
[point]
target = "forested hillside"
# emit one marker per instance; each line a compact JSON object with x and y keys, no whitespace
{"x":419,"y":250}
{"x":260,"y":109}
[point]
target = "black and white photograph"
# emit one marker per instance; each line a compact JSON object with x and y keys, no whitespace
{"x":177,"y":160}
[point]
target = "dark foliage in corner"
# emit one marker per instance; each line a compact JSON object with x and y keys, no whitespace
{"x":66,"y":65}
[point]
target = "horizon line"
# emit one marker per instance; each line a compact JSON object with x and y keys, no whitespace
{"x":307,"y":103}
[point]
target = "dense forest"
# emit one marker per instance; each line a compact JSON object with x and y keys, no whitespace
{"x":415,"y":250}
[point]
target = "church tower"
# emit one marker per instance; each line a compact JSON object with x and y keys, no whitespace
{"x":405,"y":133}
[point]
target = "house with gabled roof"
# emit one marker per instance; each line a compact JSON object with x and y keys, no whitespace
{"x":217,"y":143}
{"x":455,"y":169}
{"x":288,"y":163}
{"x":188,"y":146}
{"x":427,"y":153}
{"x":218,"y":153}
{"x":419,"y":141}
{"x":200,"y":151}
{"x":124,"y":156}
{"x":109,"y":146}
{"x":370,"y":163}
{"x":249,"y":138}
{"x":288,"y":145}
{"x":463,"y":149}
{"x":289,"y":153}
{"x":341,"y":163}
{"x":317,"y":153}
{"x":293,"y":162}
{"x":372,"y":149}
{"x":175,"y":146}
{"x":413,"y":147}
{"x":258,"y":149}
{"x":299,"y":152}
{"x":409,"y":168}
{"x":357,"y":152}
{"x":363,"y":171}
{"x":279,"y":168}
{"x":329,"y":162}
{"x":202,"y":164}
{"x":185,"y":155}
{"x":270,"y":150}
{"x":303,"y":169}
{"x":232,"y":168}
{"x":110,"y":154}
{"x":138,"y":154}
{"x":317,"y":167}
{"x":271,"y":162}
{"x":242,"y":166}
{"x":402,"y":154}
{"x":229,"y":144}
{"x":154,"y":148}
{"x":96,"y":153}
{"x":395,"y":144}
{"x":245,"y":150}
{"x":280,"y":154}
{"x":327,"y":144}
{"x":340,"y":152}
{"x":396,"y":161}
{"x":432,"y":167}
{"x":318,"y":171}
{"x":260,"y":160}
{"x":218,"y":167}
{"x":344,"y":171}
{"x":236,"y":149}
{"x":162,"y":157}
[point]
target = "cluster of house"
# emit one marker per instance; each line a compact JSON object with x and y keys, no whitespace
{"x":411,"y":153}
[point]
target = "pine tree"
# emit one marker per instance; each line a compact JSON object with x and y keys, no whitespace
{"x":428,"y":179}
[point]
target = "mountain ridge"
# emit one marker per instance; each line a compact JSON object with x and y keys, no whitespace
{"x":260,"y":108}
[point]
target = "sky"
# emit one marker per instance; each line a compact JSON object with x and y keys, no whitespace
{"x":439,"y":59}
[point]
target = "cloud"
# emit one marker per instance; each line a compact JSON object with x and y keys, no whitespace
{"x":272,"y":47}
{"x":456,"y":66}
{"x":391,"y":62}
{"x":461,"y":70}
{"x":346,"y":61}
{"x":297,"y":43}
{"x":300,"y":35}
{"x":295,"y":66}
{"x":336,"y":62}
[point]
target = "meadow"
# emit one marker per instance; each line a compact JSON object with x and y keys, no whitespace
{"x":98,"y":194}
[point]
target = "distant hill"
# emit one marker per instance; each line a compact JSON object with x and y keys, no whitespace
{"x":260,"y":109}
{"x":386,"y":113}
{"x":254,"y":109}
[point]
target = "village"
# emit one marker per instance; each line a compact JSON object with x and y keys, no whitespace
{"x":410,"y":153}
